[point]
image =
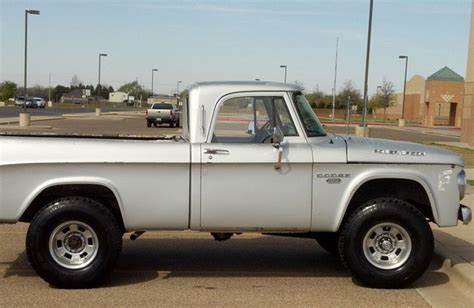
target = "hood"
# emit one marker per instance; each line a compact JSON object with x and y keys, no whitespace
{"x":372,"y":150}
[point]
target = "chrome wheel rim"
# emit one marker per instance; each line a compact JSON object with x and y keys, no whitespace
{"x":387,"y":246}
{"x":73,"y":245}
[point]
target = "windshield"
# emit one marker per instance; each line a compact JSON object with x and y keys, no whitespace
{"x":162,"y":106}
{"x":309,"y":120}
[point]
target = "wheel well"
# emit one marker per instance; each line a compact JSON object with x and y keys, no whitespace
{"x":99,"y":193}
{"x":407,"y":190}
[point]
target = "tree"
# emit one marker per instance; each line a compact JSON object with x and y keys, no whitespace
{"x":59,"y":91}
{"x":349,"y":90}
{"x":7,"y":90}
{"x":386,"y":96}
{"x":135,"y":89}
{"x":75,"y":82}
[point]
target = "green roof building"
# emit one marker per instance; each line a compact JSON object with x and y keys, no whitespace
{"x":446,"y":74}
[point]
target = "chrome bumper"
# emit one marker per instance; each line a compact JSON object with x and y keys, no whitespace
{"x":464,"y":214}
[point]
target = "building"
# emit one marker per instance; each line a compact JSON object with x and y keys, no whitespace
{"x":76,"y":96}
{"x":467,"y":129}
{"x":415,"y":90}
{"x":436,"y":101}
{"x":118,"y":97}
{"x":444,"y":95}
{"x":161,"y":99}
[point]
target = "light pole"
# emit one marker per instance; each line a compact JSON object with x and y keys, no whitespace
{"x":32,"y":12}
{"x":98,"y":83}
{"x":401,"y":122}
{"x":152,"y":74}
{"x":367,"y":58}
{"x":285,"y":67}
{"x":177,"y":92}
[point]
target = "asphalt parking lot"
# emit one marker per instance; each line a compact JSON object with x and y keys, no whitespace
{"x":191,"y":269}
{"x":6,"y":112}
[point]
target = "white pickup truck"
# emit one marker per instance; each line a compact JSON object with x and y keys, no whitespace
{"x":160,"y":113}
{"x":369,"y":201}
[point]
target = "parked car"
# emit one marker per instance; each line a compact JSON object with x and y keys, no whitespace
{"x":30,"y":102}
{"x":38,"y":102}
{"x":19,"y":101}
{"x":367,"y":201}
{"x":160,"y":113}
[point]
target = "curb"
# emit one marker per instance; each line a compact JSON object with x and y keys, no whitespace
{"x":13,"y":121}
{"x":460,"y":273}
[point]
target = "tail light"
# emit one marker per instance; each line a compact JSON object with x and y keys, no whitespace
{"x":146,"y":112}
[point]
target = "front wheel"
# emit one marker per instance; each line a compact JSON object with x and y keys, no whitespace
{"x":73,"y":242}
{"x":386,"y":243}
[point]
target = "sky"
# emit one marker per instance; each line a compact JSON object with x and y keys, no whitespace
{"x":231,"y":40}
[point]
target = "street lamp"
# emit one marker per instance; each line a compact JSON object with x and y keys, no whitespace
{"x":177,"y":92}
{"x":152,"y":73}
{"x":401,"y":121}
{"x":284,"y":66}
{"x":32,"y":12}
{"x":98,"y":83}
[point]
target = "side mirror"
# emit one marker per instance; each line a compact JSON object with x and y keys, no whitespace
{"x":277,"y":136}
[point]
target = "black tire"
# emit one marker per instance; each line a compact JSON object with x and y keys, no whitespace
{"x":171,"y":124}
{"x":392,"y":215}
{"x":77,"y":210}
{"x":329,"y":241}
{"x":148,"y":124}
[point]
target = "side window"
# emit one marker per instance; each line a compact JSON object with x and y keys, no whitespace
{"x":251,"y":120}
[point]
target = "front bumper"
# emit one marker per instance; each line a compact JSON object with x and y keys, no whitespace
{"x":464,"y":214}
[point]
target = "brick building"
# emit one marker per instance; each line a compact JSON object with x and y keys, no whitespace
{"x":436,"y":101}
{"x":444,"y":95}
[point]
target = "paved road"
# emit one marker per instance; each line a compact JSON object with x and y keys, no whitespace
{"x":191,"y":269}
{"x":7,"y":112}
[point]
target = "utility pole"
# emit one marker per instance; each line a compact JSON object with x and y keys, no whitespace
{"x":177,"y":92}
{"x":367,"y":58}
{"x":49,"y":87}
{"x":285,"y":67}
{"x":348,"y":114}
{"x":152,"y":74}
{"x":401,"y":122}
{"x":335,"y":78}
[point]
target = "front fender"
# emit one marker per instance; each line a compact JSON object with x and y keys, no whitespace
{"x":331,"y":201}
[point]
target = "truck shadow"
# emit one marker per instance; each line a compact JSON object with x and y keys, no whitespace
{"x":148,"y":259}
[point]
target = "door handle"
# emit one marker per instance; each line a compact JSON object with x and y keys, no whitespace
{"x":216,"y":151}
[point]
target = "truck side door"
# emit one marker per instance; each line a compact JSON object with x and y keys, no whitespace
{"x":241,"y":189}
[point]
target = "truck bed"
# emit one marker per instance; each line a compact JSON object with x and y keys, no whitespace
{"x":91,"y":136}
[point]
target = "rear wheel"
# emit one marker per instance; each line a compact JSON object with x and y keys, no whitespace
{"x":148,"y":124}
{"x":386,"y":243}
{"x":74,"y":242}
